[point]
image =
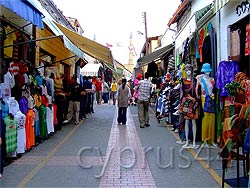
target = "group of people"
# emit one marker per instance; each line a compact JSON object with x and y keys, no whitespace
{"x":142,"y":88}
{"x":82,"y":95}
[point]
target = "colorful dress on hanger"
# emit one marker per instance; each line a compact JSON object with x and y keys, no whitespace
{"x":30,"y":129}
{"x":43,"y":122}
{"x":37,"y":122}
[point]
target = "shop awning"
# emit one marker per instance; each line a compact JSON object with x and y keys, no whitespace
{"x":90,"y":69}
{"x":218,"y":4}
{"x":48,"y":21}
{"x":24,"y":9}
{"x":88,"y":46}
{"x":204,"y":12}
{"x":154,"y":56}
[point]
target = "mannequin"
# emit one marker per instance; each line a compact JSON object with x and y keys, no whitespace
{"x":208,"y":120}
{"x":188,"y":84}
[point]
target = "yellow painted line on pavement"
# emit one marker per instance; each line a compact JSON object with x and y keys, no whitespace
{"x":204,"y":164}
{"x":26,"y":180}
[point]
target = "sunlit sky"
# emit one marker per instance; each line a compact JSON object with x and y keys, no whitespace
{"x":112,"y":21}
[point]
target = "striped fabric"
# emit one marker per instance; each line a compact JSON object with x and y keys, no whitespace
{"x":218,"y":4}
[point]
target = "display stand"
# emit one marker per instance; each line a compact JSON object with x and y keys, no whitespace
{"x":238,"y":181}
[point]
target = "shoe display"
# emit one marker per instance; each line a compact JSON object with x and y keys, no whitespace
{"x":177,"y":107}
{"x":177,"y":87}
{"x":66,"y":121}
{"x":176,"y":113}
{"x":176,"y":103}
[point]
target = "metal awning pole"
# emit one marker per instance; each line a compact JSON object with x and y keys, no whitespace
{"x":26,"y":42}
{"x":18,"y":29}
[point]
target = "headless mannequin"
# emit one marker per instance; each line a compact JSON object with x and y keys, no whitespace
{"x":194,"y":129}
{"x":208,"y":126}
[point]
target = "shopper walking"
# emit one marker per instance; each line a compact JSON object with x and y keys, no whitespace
{"x":105,"y":92}
{"x":144,"y":90}
{"x":123,"y":98}
{"x":114,"y":87}
{"x":98,"y":85}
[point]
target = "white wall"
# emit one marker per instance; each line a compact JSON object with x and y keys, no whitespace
{"x":228,"y":17}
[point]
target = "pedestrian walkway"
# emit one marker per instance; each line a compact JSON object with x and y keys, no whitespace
{"x":100,"y":153}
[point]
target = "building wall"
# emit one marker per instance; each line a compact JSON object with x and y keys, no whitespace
{"x":226,"y":17}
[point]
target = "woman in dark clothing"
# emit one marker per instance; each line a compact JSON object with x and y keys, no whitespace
{"x":123,"y":98}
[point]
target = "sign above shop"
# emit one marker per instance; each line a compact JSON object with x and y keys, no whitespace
{"x":243,"y":7}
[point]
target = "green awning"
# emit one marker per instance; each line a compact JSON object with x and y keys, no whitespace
{"x":154,"y":56}
{"x":204,"y":12}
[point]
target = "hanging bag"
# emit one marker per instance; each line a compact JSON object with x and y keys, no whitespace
{"x":209,"y":105}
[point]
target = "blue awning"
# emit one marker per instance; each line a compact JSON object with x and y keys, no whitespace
{"x":24,"y":9}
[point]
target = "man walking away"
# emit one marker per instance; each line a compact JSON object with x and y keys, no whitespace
{"x":144,"y":90}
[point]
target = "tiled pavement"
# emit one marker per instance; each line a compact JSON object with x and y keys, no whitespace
{"x":100,"y":153}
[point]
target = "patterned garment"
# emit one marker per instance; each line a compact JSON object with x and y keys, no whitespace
{"x":225,"y":74}
{"x":10,"y":134}
{"x":144,"y":90}
{"x":247,"y":44}
{"x":21,"y":136}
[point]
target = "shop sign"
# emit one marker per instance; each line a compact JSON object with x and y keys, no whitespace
{"x":243,"y":7}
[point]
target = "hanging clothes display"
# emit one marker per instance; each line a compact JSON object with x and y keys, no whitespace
{"x":21,"y":133}
{"x":235,"y":44}
{"x":37,"y":122}
{"x":247,"y":43}
{"x":50,"y":119}
{"x":43,"y":122}
{"x":30,"y":129}
{"x":10,"y":134}
{"x":225,"y":74}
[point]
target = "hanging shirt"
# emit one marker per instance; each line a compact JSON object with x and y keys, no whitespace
{"x":43,"y":121}
{"x":4,"y":108}
{"x":37,"y":126}
{"x":10,"y":134}
{"x":30,"y":129}
{"x":225,"y":74}
{"x":50,"y":119}
{"x":21,"y":134}
{"x":13,"y":105}
{"x":9,"y":83}
{"x":247,"y":42}
{"x":39,"y":80}
{"x":38,"y":100}
{"x":23,"y":104}
{"x":55,"y":114}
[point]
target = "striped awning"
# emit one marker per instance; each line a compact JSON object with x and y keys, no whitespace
{"x":218,"y":4}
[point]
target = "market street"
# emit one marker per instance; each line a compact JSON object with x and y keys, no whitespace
{"x":75,"y":157}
